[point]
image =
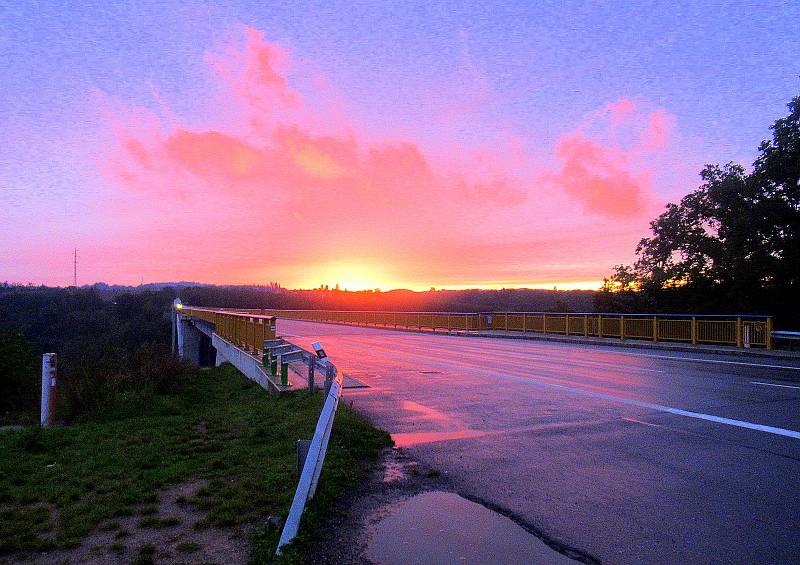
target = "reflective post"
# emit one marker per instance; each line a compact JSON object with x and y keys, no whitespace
{"x":48,"y":415}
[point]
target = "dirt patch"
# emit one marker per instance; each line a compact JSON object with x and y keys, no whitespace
{"x":165,"y":531}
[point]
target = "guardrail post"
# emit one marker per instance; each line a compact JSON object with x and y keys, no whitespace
{"x":566,"y":324}
{"x":284,"y":369}
{"x":48,"y":415}
{"x":622,"y":328}
{"x":312,"y":362}
{"x":600,"y":326}
{"x":585,"y":325}
{"x":330,"y":374}
{"x":524,"y":323}
{"x":655,"y":328}
{"x":694,"y":330}
{"x":739,"y":332}
{"x":769,"y":333}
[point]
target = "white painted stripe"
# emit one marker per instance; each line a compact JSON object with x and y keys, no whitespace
{"x":773,"y":384}
{"x":700,"y":360}
{"x":670,"y":410}
{"x":628,"y":401}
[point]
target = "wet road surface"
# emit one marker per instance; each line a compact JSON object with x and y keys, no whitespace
{"x":628,"y":456}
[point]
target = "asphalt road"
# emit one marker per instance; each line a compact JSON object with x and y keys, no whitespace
{"x":627,"y":456}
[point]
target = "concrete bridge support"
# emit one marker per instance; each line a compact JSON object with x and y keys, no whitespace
{"x":194,"y":344}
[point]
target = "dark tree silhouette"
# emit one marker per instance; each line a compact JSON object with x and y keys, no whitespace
{"x":733,"y":244}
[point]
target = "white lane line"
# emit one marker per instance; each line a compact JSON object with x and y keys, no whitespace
{"x":699,"y":360}
{"x":773,"y":384}
{"x":628,"y":401}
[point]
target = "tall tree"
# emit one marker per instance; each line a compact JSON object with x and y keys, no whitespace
{"x":731,"y":244}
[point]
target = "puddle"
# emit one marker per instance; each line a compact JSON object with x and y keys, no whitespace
{"x":443,"y":528}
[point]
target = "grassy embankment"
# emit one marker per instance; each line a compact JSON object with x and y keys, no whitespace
{"x":59,"y":485}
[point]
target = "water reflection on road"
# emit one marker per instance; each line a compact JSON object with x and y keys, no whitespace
{"x":443,"y":528}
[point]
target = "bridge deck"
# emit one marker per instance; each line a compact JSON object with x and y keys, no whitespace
{"x":630,"y":456}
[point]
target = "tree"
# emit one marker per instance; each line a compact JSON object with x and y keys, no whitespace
{"x":731,"y":244}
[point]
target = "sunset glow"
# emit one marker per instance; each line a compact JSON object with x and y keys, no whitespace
{"x":236,"y":148}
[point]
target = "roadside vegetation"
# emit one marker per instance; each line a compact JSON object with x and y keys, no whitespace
{"x":213,"y":429}
{"x":731,"y":245}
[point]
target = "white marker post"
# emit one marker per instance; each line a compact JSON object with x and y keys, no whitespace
{"x":48,"y":416}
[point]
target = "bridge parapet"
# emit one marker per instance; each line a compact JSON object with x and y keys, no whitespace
{"x":734,"y":330}
{"x":244,"y":329}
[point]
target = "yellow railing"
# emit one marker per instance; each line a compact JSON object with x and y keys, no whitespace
{"x":734,"y":331}
{"x":245,"y":329}
{"x":713,"y":330}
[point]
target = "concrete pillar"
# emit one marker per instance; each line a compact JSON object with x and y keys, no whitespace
{"x":188,"y":341}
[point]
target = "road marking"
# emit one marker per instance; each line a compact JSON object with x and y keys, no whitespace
{"x":628,"y":401}
{"x":699,"y":360}
{"x":773,"y":384}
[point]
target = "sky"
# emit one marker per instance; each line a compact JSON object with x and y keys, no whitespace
{"x":369,"y":144}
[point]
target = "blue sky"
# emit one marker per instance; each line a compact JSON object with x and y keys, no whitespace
{"x":724,"y":71}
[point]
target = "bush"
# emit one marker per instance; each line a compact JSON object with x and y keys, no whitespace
{"x":19,"y":376}
{"x":91,"y":386}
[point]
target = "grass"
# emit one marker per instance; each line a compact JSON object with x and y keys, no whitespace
{"x":58,"y":485}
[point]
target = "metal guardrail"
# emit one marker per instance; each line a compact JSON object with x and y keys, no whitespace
{"x":307,"y":485}
{"x":791,"y":336}
{"x":732,"y":330}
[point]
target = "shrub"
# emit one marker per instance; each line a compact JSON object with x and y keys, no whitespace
{"x":19,"y":375}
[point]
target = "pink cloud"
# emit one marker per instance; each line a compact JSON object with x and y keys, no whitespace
{"x":659,"y":127}
{"x":272,"y":190}
{"x":606,"y":176}
{"x":621,"y":110}
{"x":598,"y":177}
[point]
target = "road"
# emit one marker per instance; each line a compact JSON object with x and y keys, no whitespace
{"x":627,"y":456}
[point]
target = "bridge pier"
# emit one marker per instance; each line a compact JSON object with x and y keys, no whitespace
{"x":194,"y":345}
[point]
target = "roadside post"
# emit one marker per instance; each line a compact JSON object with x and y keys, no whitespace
{"x":284,"y":369}
{"x":48,"y":415}
{"x":312,"y":362}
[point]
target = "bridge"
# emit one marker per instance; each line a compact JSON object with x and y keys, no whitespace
{"x":618,"y":454}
